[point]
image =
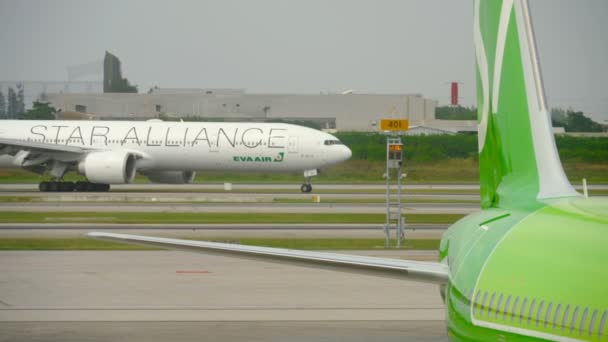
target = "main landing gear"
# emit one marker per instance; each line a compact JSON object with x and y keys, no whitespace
{"x":308,"y":174}
{"x":72,"y":186}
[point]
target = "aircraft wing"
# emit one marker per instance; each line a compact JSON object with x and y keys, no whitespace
{"x":13,"y":145}
{"x":36,"y":152}
{"x":431,"y":272}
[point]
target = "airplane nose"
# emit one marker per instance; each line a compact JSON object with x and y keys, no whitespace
{"x":347,"y":153}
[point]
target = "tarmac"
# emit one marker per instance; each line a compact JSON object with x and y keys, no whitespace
{"x":250,"y":208}
{"x":164,"y":295}
{"x":274,"y":186}
{"x":73,"y":230}
{"x":177,"y":296}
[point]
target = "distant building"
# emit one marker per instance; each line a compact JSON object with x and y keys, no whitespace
{"x":344,"y":112}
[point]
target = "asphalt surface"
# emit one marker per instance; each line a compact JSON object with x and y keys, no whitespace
{"x":361,"y":208}
{"x":203,"y":231}
{"x":286,"y":186}
{"x":160,"y":295}
{"x":204,"y":226}
{"x":231,"y":196}
{"x":256,"y":186}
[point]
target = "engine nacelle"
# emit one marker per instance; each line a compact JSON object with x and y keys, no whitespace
{"x":110,"y":167}
{"x":171,"y":177}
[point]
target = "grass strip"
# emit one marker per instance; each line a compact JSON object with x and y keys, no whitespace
{"x":169,"y":217}
{"x":18,"y":199}
{"x":19,"y":244}
{"x":63,"y":244}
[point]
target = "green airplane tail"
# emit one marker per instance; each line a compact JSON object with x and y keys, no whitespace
{"x":518,"y":160}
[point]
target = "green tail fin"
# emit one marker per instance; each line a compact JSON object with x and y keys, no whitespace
{"x":518,"y":160}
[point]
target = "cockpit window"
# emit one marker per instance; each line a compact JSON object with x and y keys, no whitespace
{"x":332,"y":142}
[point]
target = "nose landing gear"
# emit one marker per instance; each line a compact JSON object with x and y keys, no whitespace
{"x":308,"y":174}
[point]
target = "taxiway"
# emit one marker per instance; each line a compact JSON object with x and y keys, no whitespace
{"x":144,"y":295}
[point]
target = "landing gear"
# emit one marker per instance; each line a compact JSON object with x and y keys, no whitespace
{"x":71,"y":186}
{"x":308,"y":174}
{"x":306,"y":188}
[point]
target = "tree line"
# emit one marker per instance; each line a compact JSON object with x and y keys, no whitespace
{"x":12,"y":105}
{"x":432,"y":148}
{"x":574,"y":121}
{"x":571,"y":120}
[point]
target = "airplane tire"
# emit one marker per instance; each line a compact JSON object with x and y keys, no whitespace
{"x":102,"y":187}
{"x":53,"y":186}
{"x":90,"y":187}
{"x":306,"y":188}
{"x":80,"y":186}
{"x":67,"y":186}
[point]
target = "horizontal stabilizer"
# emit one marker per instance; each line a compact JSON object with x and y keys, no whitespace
{"x":431,"y":272}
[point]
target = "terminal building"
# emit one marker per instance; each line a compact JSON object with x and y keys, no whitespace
{"x":98,"y":91}
{"x":342,"y":112}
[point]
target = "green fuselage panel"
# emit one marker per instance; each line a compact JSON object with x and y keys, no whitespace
{"x":509,"y":276}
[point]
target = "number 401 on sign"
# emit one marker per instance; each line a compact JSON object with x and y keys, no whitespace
{"x":394,"y":125}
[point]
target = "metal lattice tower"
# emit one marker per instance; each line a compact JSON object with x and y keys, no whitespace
{"x":394,"y":218}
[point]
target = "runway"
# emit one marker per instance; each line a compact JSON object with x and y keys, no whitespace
{"x":274,"y":186}
{"x":254,"y":186}
{"x":202,"y":231}
{"x":146,"y":295}
{"x":225,"y":196}
{"x":239,"y":187}
{"x":204,"y":226}
{"x":336,"y":208}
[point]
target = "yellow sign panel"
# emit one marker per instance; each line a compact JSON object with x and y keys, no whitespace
{"x":395,"y":147}
{"x":394,"y":125}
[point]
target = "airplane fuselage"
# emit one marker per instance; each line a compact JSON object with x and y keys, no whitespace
{"x":528,"y":274}
{"x":191,"y":145}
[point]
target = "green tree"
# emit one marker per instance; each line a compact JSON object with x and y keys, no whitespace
{"x":2,"y":106}
{"x":40,"y":111}
{"x":11,"y":109}
{"x":20,"y":100}
{"x":558,"y":117}
{"x":113,"y":82}
{"x":578,"y":122}
{"x":455,"y":113}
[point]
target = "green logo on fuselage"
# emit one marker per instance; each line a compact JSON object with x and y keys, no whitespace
{"x":258,"y":159}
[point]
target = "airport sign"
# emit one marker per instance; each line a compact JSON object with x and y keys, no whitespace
{"x":394,"y":124}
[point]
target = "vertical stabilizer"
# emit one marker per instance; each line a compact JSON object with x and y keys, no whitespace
{"x":518,"y":159}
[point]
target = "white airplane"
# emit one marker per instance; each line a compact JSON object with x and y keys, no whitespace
{"x":111,"y":152}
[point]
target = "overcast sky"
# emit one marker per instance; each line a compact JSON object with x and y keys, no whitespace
{"x":304,"y":46}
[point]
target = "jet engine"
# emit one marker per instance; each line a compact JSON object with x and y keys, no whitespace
{"x":171,"y":177}
{"x":110,"y":167}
